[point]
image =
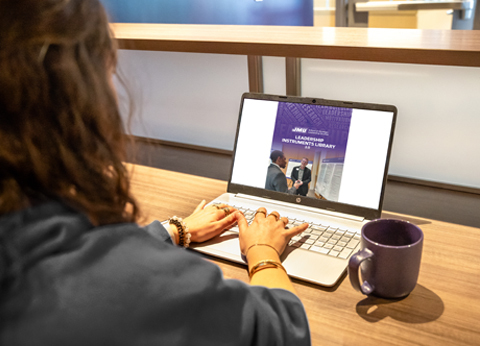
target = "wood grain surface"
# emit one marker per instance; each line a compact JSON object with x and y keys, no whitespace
{"x":443,"y":309}
{"x":438,"y":47}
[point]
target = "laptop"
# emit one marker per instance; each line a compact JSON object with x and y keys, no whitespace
{"x":347,"y":146}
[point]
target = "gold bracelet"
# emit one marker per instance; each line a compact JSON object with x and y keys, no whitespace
{"x":246,"y":252}
{"x":265,"y":264}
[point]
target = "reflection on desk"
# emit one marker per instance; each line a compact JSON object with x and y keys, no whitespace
{"x":443,"y":309}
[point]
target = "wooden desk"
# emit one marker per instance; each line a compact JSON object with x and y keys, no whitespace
{"x":437,"y":47}
{"x":444,"y":308}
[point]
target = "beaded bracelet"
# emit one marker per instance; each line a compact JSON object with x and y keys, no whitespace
{"x":265,"y":264}
{"x":183,"y":233}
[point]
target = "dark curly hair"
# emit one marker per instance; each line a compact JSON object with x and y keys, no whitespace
{"x":61,"y":134}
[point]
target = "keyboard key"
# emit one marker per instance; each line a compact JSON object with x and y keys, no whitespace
{"x":319,"y":243}
{"x":352,"y":244}
{"x":338,"y":248}
{"x":328,"y":246}
{"x":305,"y":246}
{"x":345,"y":253}
{"x":319,"y":249}
{"x":333,"y":253}
{"x":310,"y":241}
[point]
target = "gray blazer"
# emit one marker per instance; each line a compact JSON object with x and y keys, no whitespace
{"x":277,"y":181}
{"x":123,"y":285}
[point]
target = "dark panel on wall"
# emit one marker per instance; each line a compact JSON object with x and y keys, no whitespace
{"x":238,"y":12}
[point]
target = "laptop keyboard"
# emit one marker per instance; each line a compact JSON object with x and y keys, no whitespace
{"x":321,"y":238}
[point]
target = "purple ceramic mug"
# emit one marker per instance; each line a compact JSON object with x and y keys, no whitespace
{"x":389,"y":259}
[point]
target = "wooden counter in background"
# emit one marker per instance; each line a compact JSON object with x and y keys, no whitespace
{"x":437,"y":47}
{"x":442,"y":310}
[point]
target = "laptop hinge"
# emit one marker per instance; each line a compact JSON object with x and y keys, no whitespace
{"x":303,"y":208}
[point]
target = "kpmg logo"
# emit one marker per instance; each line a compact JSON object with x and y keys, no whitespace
{"x":300,"y":129}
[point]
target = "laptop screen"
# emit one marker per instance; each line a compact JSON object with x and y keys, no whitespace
{"x":313,"y":151}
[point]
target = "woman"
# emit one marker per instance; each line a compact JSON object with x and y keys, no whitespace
{"x":75,"y":268}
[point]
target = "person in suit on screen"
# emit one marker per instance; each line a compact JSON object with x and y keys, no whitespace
{"x":276,"y":179}
{"x":302,"y":175}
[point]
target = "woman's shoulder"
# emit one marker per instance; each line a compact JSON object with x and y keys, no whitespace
{"x":122,"y":277}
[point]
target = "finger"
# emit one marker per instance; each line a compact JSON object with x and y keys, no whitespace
{"x":290,"y":232}
{"x":261,"y":212}
{"x":217,"y":206}
{"x":200,"y":206}
{"x":228,"y":210}
{"x":242,"y":222}
{"x":275,"y":214}
{"x":225,"y":211}
{"x":285,"y":221}
{"x":227,"y":221}
{"x":220,"y":206}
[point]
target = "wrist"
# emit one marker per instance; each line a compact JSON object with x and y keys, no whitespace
{"x":266,"y":264}
{"x":259,"y":253}
{"x":182,"y":232}
{"x":173,"y":231}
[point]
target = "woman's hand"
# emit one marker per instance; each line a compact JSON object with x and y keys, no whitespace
{"x":266,"y":229}
{"x":208,"y":222}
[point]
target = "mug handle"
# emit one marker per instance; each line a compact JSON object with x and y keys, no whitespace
{"x":353,"y":265}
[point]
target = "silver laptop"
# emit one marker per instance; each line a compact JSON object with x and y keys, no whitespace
{"x":347,"y":146}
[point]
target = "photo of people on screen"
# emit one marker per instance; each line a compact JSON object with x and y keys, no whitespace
{"x":302,"y":175}
{"x":276,"y":178}
{"x":308,"y":149}
{"x":295,"y":174}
